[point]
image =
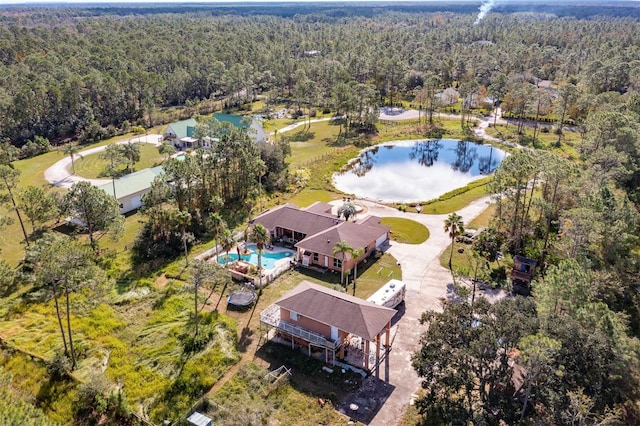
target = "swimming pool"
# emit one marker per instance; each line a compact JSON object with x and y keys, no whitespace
{"x":269,"y":259}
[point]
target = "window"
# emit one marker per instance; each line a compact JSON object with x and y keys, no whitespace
{"x":337,"y":263}
{"x":315,"y":257}
{"x":293,"y":315}
{"x":366,"y":249}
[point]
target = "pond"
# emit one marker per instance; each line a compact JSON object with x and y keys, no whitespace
{"x":413,"y":171}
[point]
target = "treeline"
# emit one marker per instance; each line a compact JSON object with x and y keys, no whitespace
{"x":569,"y":354}
{"x":89,"y":77}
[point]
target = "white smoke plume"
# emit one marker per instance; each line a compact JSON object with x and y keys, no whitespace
{"x":484,"y":9}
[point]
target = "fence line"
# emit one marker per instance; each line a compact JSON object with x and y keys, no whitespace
{"x":324,"y":155}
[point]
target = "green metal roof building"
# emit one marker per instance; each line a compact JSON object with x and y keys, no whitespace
{"x":129,"y":189}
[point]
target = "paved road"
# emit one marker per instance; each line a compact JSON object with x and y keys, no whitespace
{"x":60,"y":173}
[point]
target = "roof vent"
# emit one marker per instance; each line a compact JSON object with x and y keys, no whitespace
{"x":328,"y":241}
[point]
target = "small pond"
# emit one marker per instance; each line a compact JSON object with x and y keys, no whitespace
{"x":412,"y":171}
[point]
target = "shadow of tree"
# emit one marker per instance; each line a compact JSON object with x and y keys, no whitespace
{"x":246,"y":338}
{"x":302,"y":136}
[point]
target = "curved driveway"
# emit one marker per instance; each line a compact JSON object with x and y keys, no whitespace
{"x":59,"y":174}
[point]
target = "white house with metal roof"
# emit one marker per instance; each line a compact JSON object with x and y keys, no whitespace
{"x":129,"y":189}
{"x":182,"y":133}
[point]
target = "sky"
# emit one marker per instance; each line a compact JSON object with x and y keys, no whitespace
{"x":490,"y":3}
{"x":3,"y":2}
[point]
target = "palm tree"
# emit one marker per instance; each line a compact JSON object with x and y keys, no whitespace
{"x":342,"y":248}
{"x":183,"y":220}
{"x":226,"y":242}
{"x":347,"y":210}
{"x":166,"y":148}
{"x":71,"y":151}
{"x":131,"y":151}
{"x":260,"y":236}
{"x":355,"y":254}
{"x":113,"y":154}
{"x":454,"y":226}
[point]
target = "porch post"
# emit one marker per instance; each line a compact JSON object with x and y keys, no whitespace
{"x":388,"y":333}
{"x":378,"y":355}
{"x":366,"y":354}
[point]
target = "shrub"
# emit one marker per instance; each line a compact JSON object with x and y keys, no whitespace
{"x":97,"y":402}
{"x":58,"y":367}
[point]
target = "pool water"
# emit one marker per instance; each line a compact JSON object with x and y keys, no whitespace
{"x":269,"y":259}
{"x":413,"y":171}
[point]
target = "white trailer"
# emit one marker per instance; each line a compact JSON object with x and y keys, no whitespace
{"x":390,"y":295}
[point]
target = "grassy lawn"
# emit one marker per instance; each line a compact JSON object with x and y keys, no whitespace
{"x":315,"y":142}
{"x":456,"y":199}
{"x":483,"y":219}
{"x":135,"y":333}
{"x":306,"y":197}
{"x":411,"y":129}
{"x":406,"y":231}
{"x":32,"y":173}
{"x":93,"y":167}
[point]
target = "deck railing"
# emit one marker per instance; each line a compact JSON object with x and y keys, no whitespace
{"x":271,"y":317}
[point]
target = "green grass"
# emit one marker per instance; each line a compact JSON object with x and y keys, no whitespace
{"x":405,"y":230}
{"x":411,"y":417}
{"x":29,"y":380}
{"x":411,"y":129}
{"x":373,"y":275}
{"x":458,"y":198}
{"x":544,"y":140}
{"x":139,"y":341}
{"x":306,"y":197}
{"x":93,"y":167}
{"x":317,"y":141}
{"x":32,"y":173}
{"x":483,"y":219}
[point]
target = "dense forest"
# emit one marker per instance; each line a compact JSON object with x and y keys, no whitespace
{"x":87,"y":74}
{"x":66,"y":76}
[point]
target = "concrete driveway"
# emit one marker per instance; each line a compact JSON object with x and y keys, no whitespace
{"x":428,"y":284}
{"x":60,"y":173}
